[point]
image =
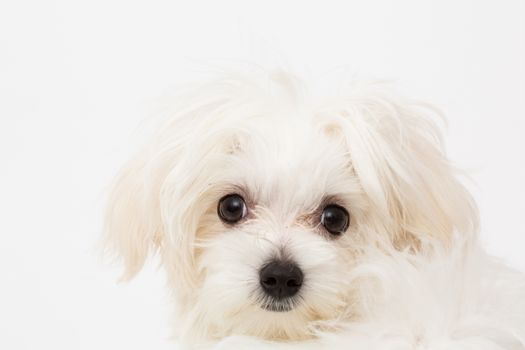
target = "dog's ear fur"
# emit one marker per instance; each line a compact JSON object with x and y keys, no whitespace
{"x":397,"y":153}
{"x":144,"y":211}
{"x":133,"y":223}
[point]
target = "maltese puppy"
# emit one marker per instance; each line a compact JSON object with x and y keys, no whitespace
{"x":285,"y":220}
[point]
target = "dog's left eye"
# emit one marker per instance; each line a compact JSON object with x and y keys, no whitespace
{"x":232,"y":208}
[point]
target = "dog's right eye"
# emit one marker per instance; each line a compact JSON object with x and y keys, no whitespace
{"x":232,"y":208}
{"x":335,"y":219}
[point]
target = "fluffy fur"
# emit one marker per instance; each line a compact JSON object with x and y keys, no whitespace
{"x":407,"y":274}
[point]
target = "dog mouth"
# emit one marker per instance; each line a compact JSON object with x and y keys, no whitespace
{"x":279,"y":305}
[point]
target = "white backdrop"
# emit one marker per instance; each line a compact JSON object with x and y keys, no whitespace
{"x":77,"y":77}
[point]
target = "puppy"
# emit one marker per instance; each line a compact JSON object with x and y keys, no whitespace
{"x":285,"y":220}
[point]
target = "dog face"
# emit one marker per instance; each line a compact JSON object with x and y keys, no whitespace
{"x":272,"y":242}
{"x":262,"y":201}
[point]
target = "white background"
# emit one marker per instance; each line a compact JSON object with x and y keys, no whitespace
{"x":76,"y":79}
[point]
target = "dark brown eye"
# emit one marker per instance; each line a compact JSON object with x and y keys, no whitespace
{"x":232,"y":208}
{"x":335,"y":219}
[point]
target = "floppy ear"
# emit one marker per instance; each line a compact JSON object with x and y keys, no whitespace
{"x":397,"y":153}
{"x":148,"y":208}
{"x":133,"y":222}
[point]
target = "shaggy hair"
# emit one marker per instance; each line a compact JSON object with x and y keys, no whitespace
{"x":408,"y":272}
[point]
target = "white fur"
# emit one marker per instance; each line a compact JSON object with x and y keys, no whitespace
{"x":408,"y":273}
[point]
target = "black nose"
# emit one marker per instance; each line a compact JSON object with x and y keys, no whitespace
{"x":281,"y":279}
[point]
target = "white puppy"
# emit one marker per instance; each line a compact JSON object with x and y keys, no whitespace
{"x":286,"y":220}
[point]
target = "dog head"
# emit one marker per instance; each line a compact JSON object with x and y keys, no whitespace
{"x":261,"y":200}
